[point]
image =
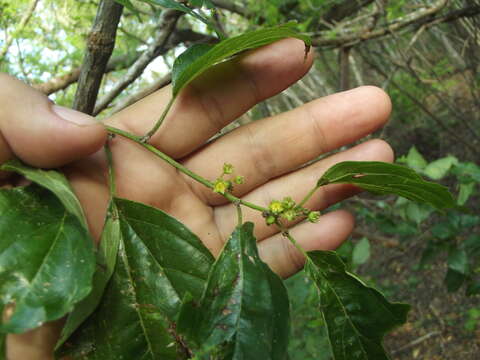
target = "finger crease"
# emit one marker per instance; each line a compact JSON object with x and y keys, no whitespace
{"x":317,"y":128}
{"x":292,"y":254}
{"x":211,"y":108}
{"x":251,"y":83}
{"x":262,"y":157}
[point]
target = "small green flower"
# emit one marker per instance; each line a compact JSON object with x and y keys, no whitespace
{"x":288,"y":203}
{"x":221,"y":186}
{"x":289,"y":215}
{"x":227,"y":168}
{"x":239,"y":180}
{"x":270,"y":220}
{"x":313,"y":216}
{"x":276,"y":207}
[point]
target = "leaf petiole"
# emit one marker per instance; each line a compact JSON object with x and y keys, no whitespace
{"x":159,"y":122}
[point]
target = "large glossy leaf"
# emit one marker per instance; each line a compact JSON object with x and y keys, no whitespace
{"x":159,"y":261}
{"x":193,"y":62}
{"x":53,"y":181}
{"x":357,"y":316}
{"x":385,"y":178}
{"x":244,"y":311}
{"x":106,"y":259}
{"x":46,"y":258}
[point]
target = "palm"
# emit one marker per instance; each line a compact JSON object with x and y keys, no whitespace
{"x":266,"y":152}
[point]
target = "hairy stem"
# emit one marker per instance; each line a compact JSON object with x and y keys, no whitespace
{"x":140,"y":140}
{"x":111,"y":173}
{"x":239,"y":214}
{"x":308,"y":196}
{"x":159,"y":122}
{"x":286,"y":233}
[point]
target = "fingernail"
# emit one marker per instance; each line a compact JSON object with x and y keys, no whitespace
{"x":73,"y":116}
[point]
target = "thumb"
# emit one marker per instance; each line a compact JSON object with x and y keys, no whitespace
{"x":40,"y":133}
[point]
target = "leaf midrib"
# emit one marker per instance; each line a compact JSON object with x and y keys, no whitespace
{"x":137,"y":310}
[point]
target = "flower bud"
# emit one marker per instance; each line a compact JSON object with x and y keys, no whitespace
{"x":227,"y":168}
{"x":270,"y":220}
{"x":288,"y":203}
{"x":221,"y":186}
{"x":239,"y":180}
{"x":276,"y":207}
{"x":313,"y":216}
{"x":290,"y":215}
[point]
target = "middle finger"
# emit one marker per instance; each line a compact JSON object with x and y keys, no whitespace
{"x":271,"y":147}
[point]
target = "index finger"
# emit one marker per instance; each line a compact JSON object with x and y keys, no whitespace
{"x":217,"y":97}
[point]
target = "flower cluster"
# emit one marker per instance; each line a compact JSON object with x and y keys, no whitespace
{"x":222,"y":185}
{"x":287,"y":209}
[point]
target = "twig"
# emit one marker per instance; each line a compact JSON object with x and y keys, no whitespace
{"x":423,"y":17}
{"x":156,"y":85}
{"x":21,"y":25}
{"x":342,"y":10}
{"x":233,"y":7}
{"x":159,"y":45}
{"x":186,"y":36}
{"x":416,"y":342}
{"x":344,"y":55}
{"x":64,"y":81}
{"x":422,"y":107}
{"x":120,"y":62}
{"x":100,"y":44}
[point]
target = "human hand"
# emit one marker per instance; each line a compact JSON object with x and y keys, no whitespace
{"x":266,"y":152}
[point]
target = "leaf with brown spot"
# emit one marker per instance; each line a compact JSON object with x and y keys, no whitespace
{"x":244,"y":311}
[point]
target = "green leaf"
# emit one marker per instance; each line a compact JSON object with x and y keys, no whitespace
{"x":128,"y":4}
{"x":458,"y":261}
{"x":159,"y":261}
{"x":361,"y":252}
{"x":192,"y":63}
{"x":472,"y":245}
{"x":454,"y":280}
{"x":384,"y":178}
{"x":417,"y":213}
{"x":244,"y":307}
{"x":467,"y":172}
{"x":357,"y":316}
{"x":201,"y":3}
{"x":106,"y":260}
{"x":3,"y":346}
{"x":172,"y":4}
{"x":414,"y":159}
{"x":437,"y":169}
{"x":46,"y":258}
{"x":473,"y":288}
{"x":52,"y":180}
{"x":466,"y":190}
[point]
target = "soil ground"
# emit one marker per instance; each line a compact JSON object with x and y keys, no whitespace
{"x":436,"y":327}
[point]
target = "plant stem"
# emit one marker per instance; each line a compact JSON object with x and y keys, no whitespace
{"x":286,"y":233}
{"x":239,"y":214}
{"x":159,"y":122}
{"x":181,"y":168}
{"x":234,"y":199}
{"x":309,"y":195}
{"x":111,"y":174}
